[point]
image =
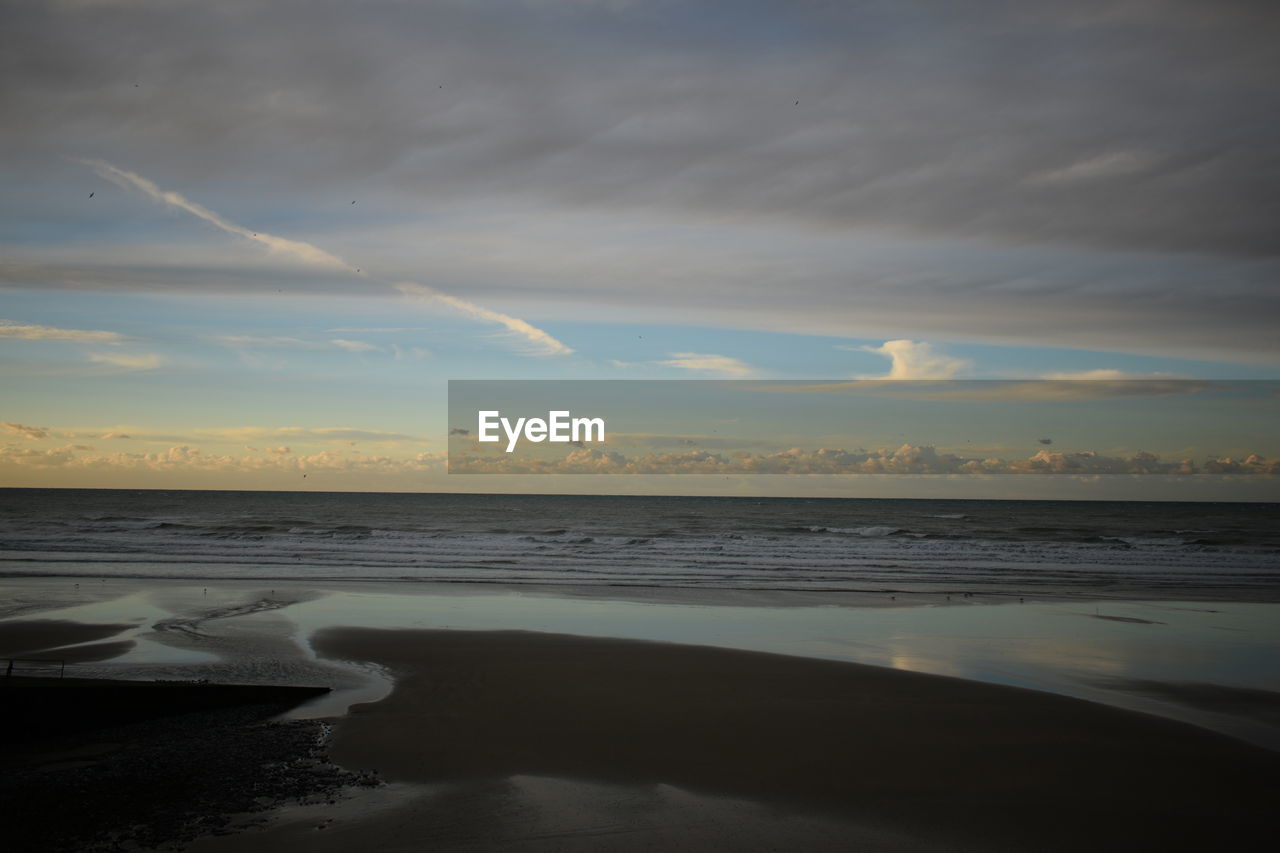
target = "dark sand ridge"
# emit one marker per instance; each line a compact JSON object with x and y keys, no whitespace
{"x":36,"y":636}
{"x":942,"y":759}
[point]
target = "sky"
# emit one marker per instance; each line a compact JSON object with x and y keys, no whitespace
{"x":246,"y":241}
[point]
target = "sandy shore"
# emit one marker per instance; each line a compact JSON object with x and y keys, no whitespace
{"x":904,"y":761}
{"x":497,"y":740}
{"x":33,"y":638}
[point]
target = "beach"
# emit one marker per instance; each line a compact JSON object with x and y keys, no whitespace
{"x":481,"y":738}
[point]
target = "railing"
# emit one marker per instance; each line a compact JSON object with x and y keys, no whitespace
{"x":42,"y":666}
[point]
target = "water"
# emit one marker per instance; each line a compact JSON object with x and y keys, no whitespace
{"x":1158,"y":605}
{"x":1114,"y":549}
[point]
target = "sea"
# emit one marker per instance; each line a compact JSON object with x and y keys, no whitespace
{"x":1156,"y":550}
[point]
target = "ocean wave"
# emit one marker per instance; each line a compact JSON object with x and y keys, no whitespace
{"x":871,"y":530}
{"x":727,"y":543}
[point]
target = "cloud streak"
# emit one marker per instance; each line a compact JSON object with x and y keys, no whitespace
{"x":20,"y":331}
{"x":308,"y":253}
{"x":297,"y":249}
{"x":140,"y":361}
{"x":710,"y":363}
{"x":541,"y":342}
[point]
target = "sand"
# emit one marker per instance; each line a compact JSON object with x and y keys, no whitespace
{"x":512,"y":740}
{"x":900,"y":760}
{"x":35,"y":637}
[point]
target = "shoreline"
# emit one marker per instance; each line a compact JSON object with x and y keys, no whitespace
{"x":1175,"y":659}
{"x":70,"y":589}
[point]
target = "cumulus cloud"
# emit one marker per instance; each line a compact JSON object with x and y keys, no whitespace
{"x":188,"y":459}
{"x":907,"y":459}
{"x":20,"y":331}
{"x":916,"y":360}
{"x":709,"y":363}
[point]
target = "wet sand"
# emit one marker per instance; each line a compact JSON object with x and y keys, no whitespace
{"x":927,"y":760}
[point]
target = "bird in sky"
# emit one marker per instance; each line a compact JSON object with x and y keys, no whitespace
{"x":90,"y":195}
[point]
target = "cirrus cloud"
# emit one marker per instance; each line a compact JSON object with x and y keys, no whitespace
{"x":139,"y":361}
{"x":27,"y":332}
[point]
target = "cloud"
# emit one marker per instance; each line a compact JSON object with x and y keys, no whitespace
{"x":542,"y":343}
{"x":908,"y":117}
{"x":404,"y":353}
{"x":707,"y":363}
{"x":381,"y":329}
{"x":679,"y":179}
{"x":1106,"y":374}
{"x":665,"y":440}
{"x":1028,"y":390}
{"x":354,"y":346}
{"x":304,"y":252}
{"x":905,"y":460}
{"x":12,"y":329}
{"x":140,"y":361}
{"x":311,"y":254}
{"x":271,"y":341}
{"x":242,"y":434}
{"x":286,"y":342}
{"x":916,"y":360}
{"x":188,"y":459}
{"x":1094,"y":168}
{"x":34,"y":433}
